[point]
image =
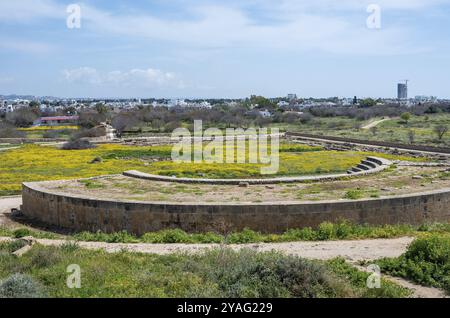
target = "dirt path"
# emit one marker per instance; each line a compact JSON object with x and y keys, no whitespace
{"x":352,"y":251}
{"x":6,"y":204}
{"x":375,"y":123}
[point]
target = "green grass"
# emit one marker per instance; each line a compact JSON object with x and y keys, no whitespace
{"x":358,"y":280}
{"x":427,"y":262}
{"x":22,"y":232}
{"x":326,"y":231}
{"x":342,"y":230}
{"x":394,"y":130}
{"x":91,"y":184}
{"x":219,"y":273}
{"x":356,"y":194}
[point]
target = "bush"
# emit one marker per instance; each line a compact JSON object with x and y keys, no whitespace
{"x":20,"y":286}
{"x":358,"y":280}
{"x":168,"y":236}
{"x":118,"y":237}
{"x":11,"y":247}
{"x":246,"y":236}
{"x":44,"y":257}
{"x":427,"y":261}
{"x":354,"y":194}
{"x":23,"y":117}
{"x":88,"y":133}
{"x":78,"y":145}
{"x":247,"y":273}
{"x":8,"y":131}
{"x":19,"y":233}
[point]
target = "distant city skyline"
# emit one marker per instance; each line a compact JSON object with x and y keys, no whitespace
{"x":224,"y":49}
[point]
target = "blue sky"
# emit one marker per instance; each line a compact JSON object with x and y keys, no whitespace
{"x":224,"y":48}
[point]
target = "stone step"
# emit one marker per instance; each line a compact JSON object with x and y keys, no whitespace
{"x":363,"y":167}
{"x":370,"y":163}
{"x":379,"y":161}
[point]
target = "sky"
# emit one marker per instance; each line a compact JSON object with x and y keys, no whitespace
{"x":224,"y":48}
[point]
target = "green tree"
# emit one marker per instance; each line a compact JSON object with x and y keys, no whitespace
{"x":262,"y":102}
{"x":101,"y":108}
{"x":405,"y":117}
{"x":368,"y":102}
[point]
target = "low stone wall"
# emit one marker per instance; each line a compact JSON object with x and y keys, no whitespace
{"x":382,"y":164}
{"x":421,"y":148}
{"x":90,"y":214}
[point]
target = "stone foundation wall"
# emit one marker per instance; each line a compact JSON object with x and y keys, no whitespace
{"x":90,"y":214}
{"x":420,"y":148}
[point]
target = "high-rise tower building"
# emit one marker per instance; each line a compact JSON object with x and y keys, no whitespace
{"x":402,"y":91}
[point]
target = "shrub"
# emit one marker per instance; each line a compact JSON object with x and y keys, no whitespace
{"x":69,"y":247}
{"x":426,"y":261}
{"x":88,"y":133}
{"x":20,"y":286}
{"x":358,"y":280}
{"x":405,"y":117}
{"x":354,"y":194}
{"x":11,"y":247}
{"x":118,"y":237}
{"x":246,"y":236}
{"x":307,"y":279}
{"x":78,"y":145}
{"x":19,"y":233}
{"x":168,"y":236}
{"x":247,"y":273}
{"x":44,"y":257}
{"x":7,"y":131}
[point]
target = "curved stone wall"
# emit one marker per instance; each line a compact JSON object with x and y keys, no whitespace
{"x":90,"y":214}
{"x":371,"y":165}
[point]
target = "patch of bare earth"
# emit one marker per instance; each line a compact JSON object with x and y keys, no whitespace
{"x":6,"y":204}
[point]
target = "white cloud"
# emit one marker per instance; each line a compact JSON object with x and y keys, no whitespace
{"x":301,"y":25}
{"x":296,"y":6}
{"x":24,"y":46}
{"x":82,"y":75}
{"x":136,"y":77}
{"x":326,"y":25}
{"x":26,"y":10}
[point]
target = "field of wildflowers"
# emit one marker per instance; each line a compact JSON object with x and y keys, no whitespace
{"x":39,"y":163}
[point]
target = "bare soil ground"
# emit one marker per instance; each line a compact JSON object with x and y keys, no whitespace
{"x":402,"y":180}
{"x":375,"y":123}
{"x":6,"y":204}
{"x":352,"y":251}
